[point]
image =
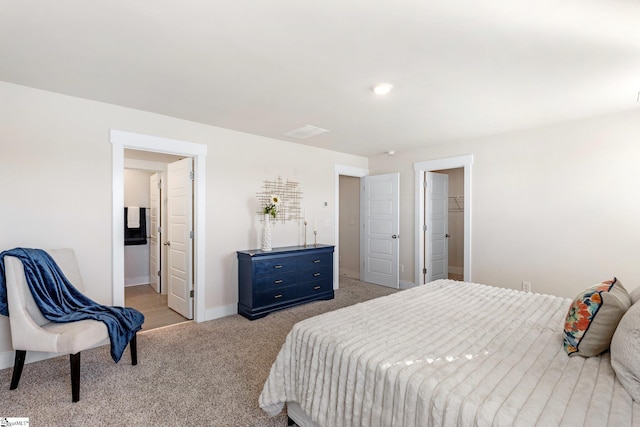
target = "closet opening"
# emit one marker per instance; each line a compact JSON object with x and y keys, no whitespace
{"x":433,"y":207}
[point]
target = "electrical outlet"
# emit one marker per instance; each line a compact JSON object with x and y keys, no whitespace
{"x":401,"y":268}
{"x":526,"y":286}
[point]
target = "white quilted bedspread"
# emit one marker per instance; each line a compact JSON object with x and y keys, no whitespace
{"x":445,"y":354}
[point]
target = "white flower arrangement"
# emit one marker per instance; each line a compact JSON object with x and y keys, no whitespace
{"x":271,"y":207}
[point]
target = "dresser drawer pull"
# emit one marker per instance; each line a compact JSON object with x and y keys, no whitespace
{"x":316,"y":274}
{"x":277,"y":296}
{"x":277,"y":266}
{"x":316,"y":261}
{"x":316,"y":287}
{"x":277,"y":282}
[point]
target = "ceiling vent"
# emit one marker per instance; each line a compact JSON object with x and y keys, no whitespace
{"x":306,"y":131}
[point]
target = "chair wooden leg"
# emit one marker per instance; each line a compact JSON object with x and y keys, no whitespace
{"x":74,"y":360}
{"x":17,"y":368}
{"x":133,"y":346}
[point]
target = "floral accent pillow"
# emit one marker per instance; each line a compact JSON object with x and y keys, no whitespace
{"x":593,"y":317}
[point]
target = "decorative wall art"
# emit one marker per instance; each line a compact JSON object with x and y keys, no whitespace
{"x":279,"y":201}
{"x":286,"y":203}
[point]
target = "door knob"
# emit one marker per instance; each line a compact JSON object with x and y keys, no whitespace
{"x":395,"y":236}
{"x":167,"y":244}
{"x":447,"y":235}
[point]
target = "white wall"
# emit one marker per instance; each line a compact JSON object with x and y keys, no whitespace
{"x":56,"y":169}
{"x":556,"y":206}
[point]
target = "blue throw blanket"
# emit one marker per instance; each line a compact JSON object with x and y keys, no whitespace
{"x":60,"y":302}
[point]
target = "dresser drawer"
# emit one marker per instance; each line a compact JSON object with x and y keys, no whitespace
{"x":283,"y":278}
{"x":310,"y":288}
{"x":315,"y":260}
{"x":277,"y":265}
{"x":276,"y":296}
{"x":276,"y":281}
{"x":319,"y":273}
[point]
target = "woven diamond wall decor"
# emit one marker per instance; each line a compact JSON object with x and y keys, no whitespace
{"x":290,"y":197}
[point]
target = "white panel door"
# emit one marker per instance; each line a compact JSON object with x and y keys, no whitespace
{"x":380,"y":218}
{"x":156,"y":238}
{"x":437,"y":226}
{"x":179,"y":224}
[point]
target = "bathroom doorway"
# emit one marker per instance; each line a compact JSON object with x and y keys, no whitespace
{"x":146,"y":261}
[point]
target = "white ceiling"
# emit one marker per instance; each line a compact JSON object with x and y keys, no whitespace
{"x":461,"y":68}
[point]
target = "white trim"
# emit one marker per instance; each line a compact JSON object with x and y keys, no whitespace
{"x":137,"y":281}
{"x":456,"y":270}
{"x":406,"y":285}
{"x":121,"y":140}
{"x":465,"y":162}
{"x":347,"y":171}
{"x":157,"y":144}
{"x":218,"y":312}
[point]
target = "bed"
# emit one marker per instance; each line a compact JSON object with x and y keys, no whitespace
{"x":444,"y":354}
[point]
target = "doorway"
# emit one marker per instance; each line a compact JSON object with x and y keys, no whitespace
{"x":350,"y":172}
{"x":349,"y":223}
{"x":420,"y":168}
{"x":453,"y":212}
{"x":145,"y":273}
{"x":120,"y":141}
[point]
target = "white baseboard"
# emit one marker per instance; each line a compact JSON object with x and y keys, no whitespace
{"x":218,"y":312}
{"x":407,"y":285}
{"x":135,"y":281}
{"x":456,"y":270}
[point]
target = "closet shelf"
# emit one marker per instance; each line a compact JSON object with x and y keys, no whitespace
{"x":456,"y":203}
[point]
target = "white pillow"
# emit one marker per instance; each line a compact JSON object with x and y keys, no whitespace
{"x":625,"y":348}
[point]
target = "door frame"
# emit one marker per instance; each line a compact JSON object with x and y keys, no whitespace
{"x":157,"y":232}
{"x":346,"y":171}
{"x":121,"y":140}
{"x":465,"y":162}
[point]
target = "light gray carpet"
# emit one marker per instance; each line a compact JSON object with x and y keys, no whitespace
{"x":192,"y":374}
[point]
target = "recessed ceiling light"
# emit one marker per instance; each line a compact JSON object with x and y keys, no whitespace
{"x":391,"y":152}
{"x":382,"y":88}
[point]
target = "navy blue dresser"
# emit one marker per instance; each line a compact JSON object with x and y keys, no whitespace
{"x":282,"y":278}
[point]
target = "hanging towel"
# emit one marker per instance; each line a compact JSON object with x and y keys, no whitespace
{"x":133,"y":217}
{"x":59,"y":301}
{"x":138,"y":235}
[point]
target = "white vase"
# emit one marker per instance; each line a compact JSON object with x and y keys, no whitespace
{"x":266,"y":234}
